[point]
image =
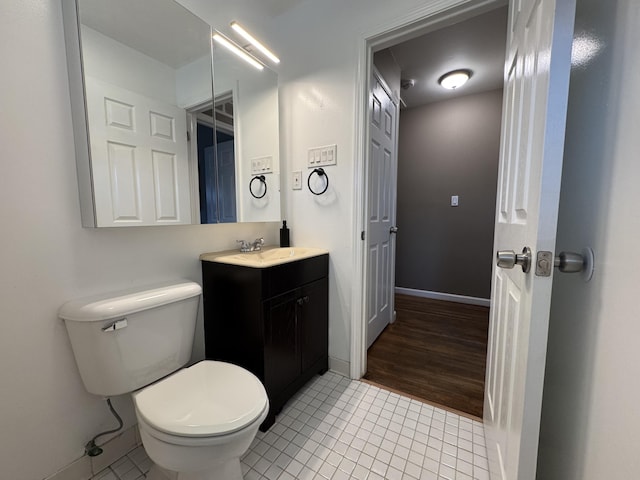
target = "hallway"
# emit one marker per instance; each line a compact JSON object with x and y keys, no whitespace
{"x":434,"y":351}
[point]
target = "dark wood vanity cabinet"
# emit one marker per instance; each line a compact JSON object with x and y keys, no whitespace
{"x":272,"y":321}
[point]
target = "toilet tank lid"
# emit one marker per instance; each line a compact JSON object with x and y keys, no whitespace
{"x":125,"y":302}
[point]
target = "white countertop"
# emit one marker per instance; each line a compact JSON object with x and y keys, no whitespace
{"x":267,"y":257}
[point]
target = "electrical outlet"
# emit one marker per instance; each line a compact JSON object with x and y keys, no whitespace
{"x":296,"y":180}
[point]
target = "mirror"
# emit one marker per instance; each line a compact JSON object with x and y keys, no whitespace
{"x":246,"y":101}
{"x":154,"y":145}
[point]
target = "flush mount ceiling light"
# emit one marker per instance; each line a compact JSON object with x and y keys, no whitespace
{"x":252,"y":40}
{"x":239,"y":51}
{"x":454,"y":79}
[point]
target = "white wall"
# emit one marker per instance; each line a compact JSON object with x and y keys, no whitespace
{"x":118,"y":64}
{"x":258,"y":132}
{"x":193,"y":83}
{"x":46,"y":258}
{"x":590,"y":424}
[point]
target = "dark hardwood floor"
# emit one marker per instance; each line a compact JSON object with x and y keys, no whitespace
{"x":435,"y":351}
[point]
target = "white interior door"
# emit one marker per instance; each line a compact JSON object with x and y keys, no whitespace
{"x":381,"y":208}
{"x":139,"y":158}
{"x":534,"y":114}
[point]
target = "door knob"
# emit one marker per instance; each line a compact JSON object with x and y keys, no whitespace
{"x":393,"y":229}
{"x":566,"y":262}
{"x":569,"y":262}
{"x":509,"y":259}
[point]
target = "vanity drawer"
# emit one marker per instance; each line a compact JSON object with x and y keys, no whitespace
{"x":288,"y":276}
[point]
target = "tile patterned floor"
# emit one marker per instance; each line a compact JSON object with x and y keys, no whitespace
{"x":336,"y":429}
{"x":133,"y":466}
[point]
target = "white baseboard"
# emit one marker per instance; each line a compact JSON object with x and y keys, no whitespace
{"x":449,"y":297}
{"x":114,"y":449}
{"x":78,"y":470}
{"x":86,"y":467}
{"x":339,"y":366}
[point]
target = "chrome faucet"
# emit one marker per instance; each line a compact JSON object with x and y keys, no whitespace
{"x":251,"y":247}
{"x":244,"y":246}
{"x":257,"y":244}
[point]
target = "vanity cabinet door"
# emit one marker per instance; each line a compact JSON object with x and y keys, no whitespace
{"x":281,"y":349}
{"x":314,"y":329}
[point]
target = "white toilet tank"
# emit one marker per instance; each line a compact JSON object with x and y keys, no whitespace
{"x":125,"y":340}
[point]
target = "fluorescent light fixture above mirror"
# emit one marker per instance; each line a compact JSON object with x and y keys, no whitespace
{"x":252,"y":40}
{"x":454,"y":79}
{"x":239,"y":51}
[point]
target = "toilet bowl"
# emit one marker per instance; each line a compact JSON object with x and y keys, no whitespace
{"x":195,"y":422}
{"x":200,"y":420}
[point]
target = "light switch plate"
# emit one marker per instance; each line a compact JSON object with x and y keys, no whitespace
{"x":261,"y":165}
{"x":454,"y":200}
{"x":322,"y":156}
{"x":296,"y":180}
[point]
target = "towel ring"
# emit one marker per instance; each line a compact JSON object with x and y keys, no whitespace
{"x":321,"y":173}
{"x":263,"y":181}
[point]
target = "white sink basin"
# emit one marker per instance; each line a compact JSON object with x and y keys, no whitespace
{"x":267,"y":257}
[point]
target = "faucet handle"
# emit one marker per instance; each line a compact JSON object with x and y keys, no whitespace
{"x":244,"y":245}
{"x":257,"y":245}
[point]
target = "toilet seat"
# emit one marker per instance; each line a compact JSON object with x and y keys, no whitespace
{"x":207,"y":399}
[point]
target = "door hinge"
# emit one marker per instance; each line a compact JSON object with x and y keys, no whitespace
{"x":362,"y":235}
{"x":188,"y":136}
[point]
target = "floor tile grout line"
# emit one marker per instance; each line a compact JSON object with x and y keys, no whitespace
{"x":316,"y":430}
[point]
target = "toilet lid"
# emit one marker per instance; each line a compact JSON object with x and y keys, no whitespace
{"x":206,"y":399}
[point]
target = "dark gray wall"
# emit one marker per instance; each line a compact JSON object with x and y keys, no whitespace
{"x":448,"y":148}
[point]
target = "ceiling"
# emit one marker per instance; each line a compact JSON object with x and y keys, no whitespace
{"x":161,"y":29}
{"x":168,"y":32}
{"x":275,"y":7}
{"x":477,"y":44}
{"x":164,"y":29}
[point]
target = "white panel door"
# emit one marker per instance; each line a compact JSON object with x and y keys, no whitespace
{"x":535,"y":100}
{"x":139,"y":158}
{"x":381,"y":208}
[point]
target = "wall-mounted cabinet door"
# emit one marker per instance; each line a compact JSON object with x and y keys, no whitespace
{"x":281,"y":349}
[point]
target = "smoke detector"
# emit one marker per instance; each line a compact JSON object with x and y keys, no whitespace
{"x":407,"y":83}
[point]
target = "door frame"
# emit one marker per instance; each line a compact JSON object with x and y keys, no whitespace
{"x":418,"y":22}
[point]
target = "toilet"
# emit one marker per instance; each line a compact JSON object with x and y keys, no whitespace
{"x":195,"y":422}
